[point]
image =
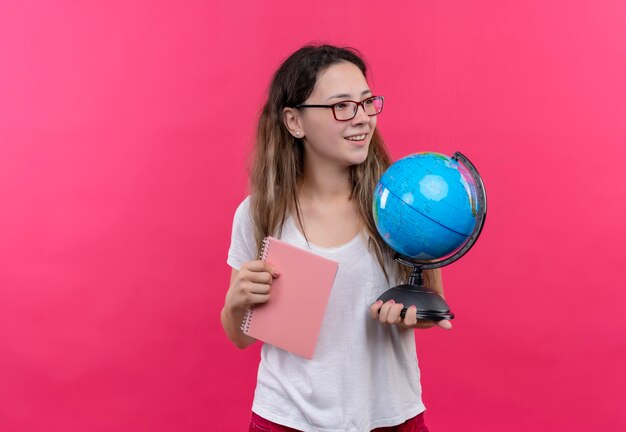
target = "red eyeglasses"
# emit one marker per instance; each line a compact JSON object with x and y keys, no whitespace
{"x":347,"y":109}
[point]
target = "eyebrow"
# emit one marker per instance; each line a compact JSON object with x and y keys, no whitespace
{"x":345,"y":95}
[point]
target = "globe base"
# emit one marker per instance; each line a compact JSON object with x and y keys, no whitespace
{"x":429,"y":304}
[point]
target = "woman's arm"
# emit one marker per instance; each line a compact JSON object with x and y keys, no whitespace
{"x":248,"y":286}
{"x":232,"y":318}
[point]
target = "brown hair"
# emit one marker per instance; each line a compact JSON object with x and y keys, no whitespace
{"x":277,"y":168}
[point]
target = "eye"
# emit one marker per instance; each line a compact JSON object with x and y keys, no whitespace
{"x":341,"y":105}
{"x":369,"y":101}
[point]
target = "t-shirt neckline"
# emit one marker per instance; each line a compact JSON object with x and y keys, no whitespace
{"x":314,"y":246}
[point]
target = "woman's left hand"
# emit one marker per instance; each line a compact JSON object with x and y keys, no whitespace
{"x":389,"y":313}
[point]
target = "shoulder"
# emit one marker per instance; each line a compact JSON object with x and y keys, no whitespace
{"x":243,"y":209}
{"x":243,"y":220}
{"x":245,"y":204}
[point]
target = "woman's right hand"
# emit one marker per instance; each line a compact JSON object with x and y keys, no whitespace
{"x":250,"y":285}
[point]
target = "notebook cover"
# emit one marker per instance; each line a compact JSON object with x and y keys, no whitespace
{"x":292,"y":318}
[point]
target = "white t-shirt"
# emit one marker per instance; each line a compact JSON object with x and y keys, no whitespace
{"x":363,"y":374}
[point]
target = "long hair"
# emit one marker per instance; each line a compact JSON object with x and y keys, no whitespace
{"x":277,"y":168}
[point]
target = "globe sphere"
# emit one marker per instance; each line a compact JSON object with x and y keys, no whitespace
{"x":426,"y":206}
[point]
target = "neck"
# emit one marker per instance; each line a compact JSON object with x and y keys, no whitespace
{"x":326,"y":182}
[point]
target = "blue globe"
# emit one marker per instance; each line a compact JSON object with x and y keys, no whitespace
{"x":426,"y":206}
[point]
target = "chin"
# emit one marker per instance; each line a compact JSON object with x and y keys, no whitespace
{"x":358,"y":160}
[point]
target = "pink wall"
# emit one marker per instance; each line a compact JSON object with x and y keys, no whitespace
{"x":124,"y":130}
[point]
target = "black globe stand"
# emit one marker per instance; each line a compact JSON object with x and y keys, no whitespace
{"x":430,"y":305}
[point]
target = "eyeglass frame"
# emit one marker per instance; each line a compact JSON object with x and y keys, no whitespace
{"x":356,"y":110}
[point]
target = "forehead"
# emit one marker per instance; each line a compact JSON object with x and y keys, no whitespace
{"x":340,"y":78}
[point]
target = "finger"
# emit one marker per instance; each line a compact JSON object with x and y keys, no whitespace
{"x":445,"y":324}
{"x":423,"y":324}
{"x":258,"y":298}
{"x":255,"y":276}
{"x":394,"y":313}
{"x":273,"y":271}
{"x":410,"y":318}
{"x":375,"y":309}
{"x":270,"y":269}
{"x":384,"y":310}
{"x":260,"y":266}
{"x":254,"y":266}
{"x":258,"y":288}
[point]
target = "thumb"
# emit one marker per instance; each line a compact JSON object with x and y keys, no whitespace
{"x":445,"y":324}
{"x":274,"y":272}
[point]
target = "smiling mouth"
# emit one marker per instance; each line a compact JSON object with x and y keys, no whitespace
{"x":357,"y":137}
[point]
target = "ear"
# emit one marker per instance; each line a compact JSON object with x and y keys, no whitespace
{"x":293,"y":122}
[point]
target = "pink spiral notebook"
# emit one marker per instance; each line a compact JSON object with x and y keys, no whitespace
{"x":292,"y":318}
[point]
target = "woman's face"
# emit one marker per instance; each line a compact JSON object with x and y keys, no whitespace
{"x":330,"y":140}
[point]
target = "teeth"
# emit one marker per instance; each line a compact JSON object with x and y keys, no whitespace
{"x":356,"y":138}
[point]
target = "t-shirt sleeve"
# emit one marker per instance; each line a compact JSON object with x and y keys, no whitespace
{"x":242,"y":244}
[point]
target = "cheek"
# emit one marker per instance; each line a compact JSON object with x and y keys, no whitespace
{"x":372,"y":127}
{"x":328,"y":131}
{"x":317,"y":126}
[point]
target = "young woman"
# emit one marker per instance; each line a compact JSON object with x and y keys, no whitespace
{"x":318,"y":158}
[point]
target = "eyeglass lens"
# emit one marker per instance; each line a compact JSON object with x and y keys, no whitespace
{"x":348,"y":109}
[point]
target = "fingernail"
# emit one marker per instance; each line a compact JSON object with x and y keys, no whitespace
{"x":275,"y":273}
{"x":392,"y":301}
{"x":379,"y":302}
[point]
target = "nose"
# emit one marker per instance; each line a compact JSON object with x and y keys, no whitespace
{"x":361,"y":116}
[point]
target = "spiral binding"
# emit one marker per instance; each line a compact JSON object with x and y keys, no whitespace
{"x":265,"y":247}
{"x":245,"y":325}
